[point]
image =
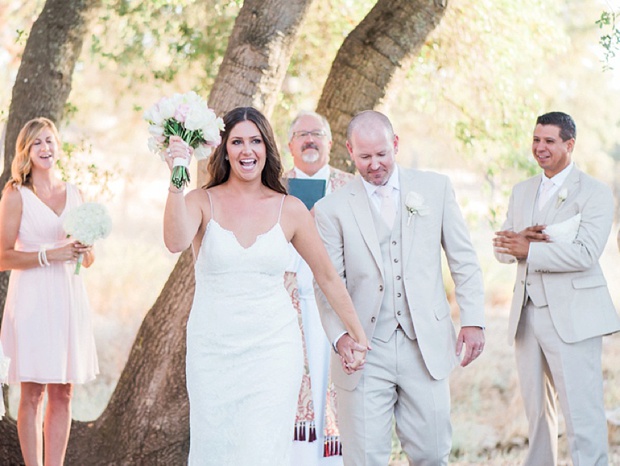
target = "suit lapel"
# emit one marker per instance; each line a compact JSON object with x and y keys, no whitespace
{"x":529,"y":201}
{"x":571,"y":185}
{"x":360,"y":206}
{"x":407,"y":184}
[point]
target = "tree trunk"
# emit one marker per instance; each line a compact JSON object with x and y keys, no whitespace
{"x":368,"y":59}
{"x":257,"y":57}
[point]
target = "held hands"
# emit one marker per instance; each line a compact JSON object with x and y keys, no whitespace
{"x":352,"y":354}
{"x":518,"y":244}
{"x":473,"y":339}
{"x":177,"y":147}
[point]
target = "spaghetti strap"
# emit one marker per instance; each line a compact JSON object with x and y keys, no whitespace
{"x":211,"y":206}
{"x":281,"y":204}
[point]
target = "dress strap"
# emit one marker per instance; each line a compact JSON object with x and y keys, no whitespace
{"x":211,"y":206}
{"x":281,"y":204}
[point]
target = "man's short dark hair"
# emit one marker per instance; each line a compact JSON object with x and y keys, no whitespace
{"x":565,"y":122}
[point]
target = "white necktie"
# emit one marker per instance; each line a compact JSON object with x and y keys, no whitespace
{"x":387,"y":209}
{"x":545,"y":193}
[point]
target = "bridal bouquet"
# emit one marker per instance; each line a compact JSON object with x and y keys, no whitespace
{"x":87,"y":223}
{"x":188,"y":116}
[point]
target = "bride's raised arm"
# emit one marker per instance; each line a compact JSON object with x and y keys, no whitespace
{"x":182,"y":214}
{"x":308,"y":243}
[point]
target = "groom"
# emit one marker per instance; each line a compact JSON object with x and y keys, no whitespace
{"x":385,"y":232}
{"x":561,"y":306}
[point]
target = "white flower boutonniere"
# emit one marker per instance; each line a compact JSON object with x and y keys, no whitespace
{"x":562,"y":195}
{"x":414,"y":203}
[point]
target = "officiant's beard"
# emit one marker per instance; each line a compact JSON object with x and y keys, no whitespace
{"x":311,"y":157}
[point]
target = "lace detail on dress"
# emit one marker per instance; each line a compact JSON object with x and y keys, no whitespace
{"x":244,"y":353}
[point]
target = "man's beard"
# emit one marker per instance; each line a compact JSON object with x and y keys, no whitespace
{"x":311,"y":157}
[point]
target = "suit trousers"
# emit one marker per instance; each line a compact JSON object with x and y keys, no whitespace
{"x":395,"y":384}
{"x":551,"y":370}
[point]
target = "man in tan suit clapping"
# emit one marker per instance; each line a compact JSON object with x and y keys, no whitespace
{"x":556,"y":229}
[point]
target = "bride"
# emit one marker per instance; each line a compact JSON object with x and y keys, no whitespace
{"x":244,"y":351}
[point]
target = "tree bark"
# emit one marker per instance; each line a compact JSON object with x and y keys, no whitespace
{"x":257,"y":57}
{"x":368,"y":60}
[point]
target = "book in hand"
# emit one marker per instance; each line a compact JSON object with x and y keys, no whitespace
{"x":308,"y":191}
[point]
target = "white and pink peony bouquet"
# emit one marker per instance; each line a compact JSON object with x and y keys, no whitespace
{"x":87,"y":223}
{"x":188,"y":116}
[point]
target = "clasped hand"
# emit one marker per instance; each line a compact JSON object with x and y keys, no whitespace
{"x":177,"y":147}
{"x":352,"y":354}
{"x":518,"y":244}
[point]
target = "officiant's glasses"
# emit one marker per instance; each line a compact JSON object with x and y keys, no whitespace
{"x":305,"y":134}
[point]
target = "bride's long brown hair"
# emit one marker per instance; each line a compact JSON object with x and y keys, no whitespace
{"x":219,"y":167}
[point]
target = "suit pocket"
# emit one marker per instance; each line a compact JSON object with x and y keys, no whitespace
{"x":442,"y":311}
{"x":589,"y":282}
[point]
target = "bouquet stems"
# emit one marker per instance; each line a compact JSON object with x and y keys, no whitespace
{"x":78,"y":264}
{"x":180,"y":173}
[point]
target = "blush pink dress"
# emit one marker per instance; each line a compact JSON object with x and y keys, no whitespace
{"x":46,"y":328}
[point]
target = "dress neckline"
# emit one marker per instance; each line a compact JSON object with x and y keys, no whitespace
{"x":256,"y":239}
{"x":64,"y":207}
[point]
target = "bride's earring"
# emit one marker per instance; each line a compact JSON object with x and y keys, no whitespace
{"x":226,"y":158}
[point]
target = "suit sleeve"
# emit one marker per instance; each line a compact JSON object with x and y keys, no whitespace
{"x":585,"y":250}
{"x":507,"y":225}
{"x":332,"y":236}
{"x":463,"y":262}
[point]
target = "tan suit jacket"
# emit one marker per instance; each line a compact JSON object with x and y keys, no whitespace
{"x":574,"y":285}
{"x":345,"y":222}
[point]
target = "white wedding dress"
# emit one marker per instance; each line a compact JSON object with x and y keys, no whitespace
{"x":244,"y":351}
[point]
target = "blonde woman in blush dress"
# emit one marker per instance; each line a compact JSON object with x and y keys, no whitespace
{"x":46,"y":326}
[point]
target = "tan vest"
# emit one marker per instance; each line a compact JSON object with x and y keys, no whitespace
{"x":394,"y":307}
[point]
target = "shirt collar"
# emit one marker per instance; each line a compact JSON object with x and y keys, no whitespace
{"x":559,"y":179}
{"x":321,"y":174}
{"x":393,"y":181}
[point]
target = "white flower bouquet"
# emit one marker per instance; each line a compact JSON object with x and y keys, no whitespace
{"x":87,"y":223}
{"x":187,"y":116}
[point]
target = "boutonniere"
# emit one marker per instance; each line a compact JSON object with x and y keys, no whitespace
{"x":562,"y":195}
{"x":414,"y":203}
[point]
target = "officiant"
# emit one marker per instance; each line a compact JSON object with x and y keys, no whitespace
{"x":561,"y":306}
{"x":316,"y":432}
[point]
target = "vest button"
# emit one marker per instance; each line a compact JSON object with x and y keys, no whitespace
{"x":394,"y":243}
{"x":399,"y":313}
{"x":373,"y":319}
{"x":380,"y":287}
{"x":398,"y":295}
{"x":397,"y":277}
{"x":396,"y":261}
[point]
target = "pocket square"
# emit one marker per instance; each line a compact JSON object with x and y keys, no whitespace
{"x":564,"y":232}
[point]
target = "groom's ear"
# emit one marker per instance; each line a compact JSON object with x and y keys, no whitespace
{"x":395,"y":144}
{"x":350,"y":149}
